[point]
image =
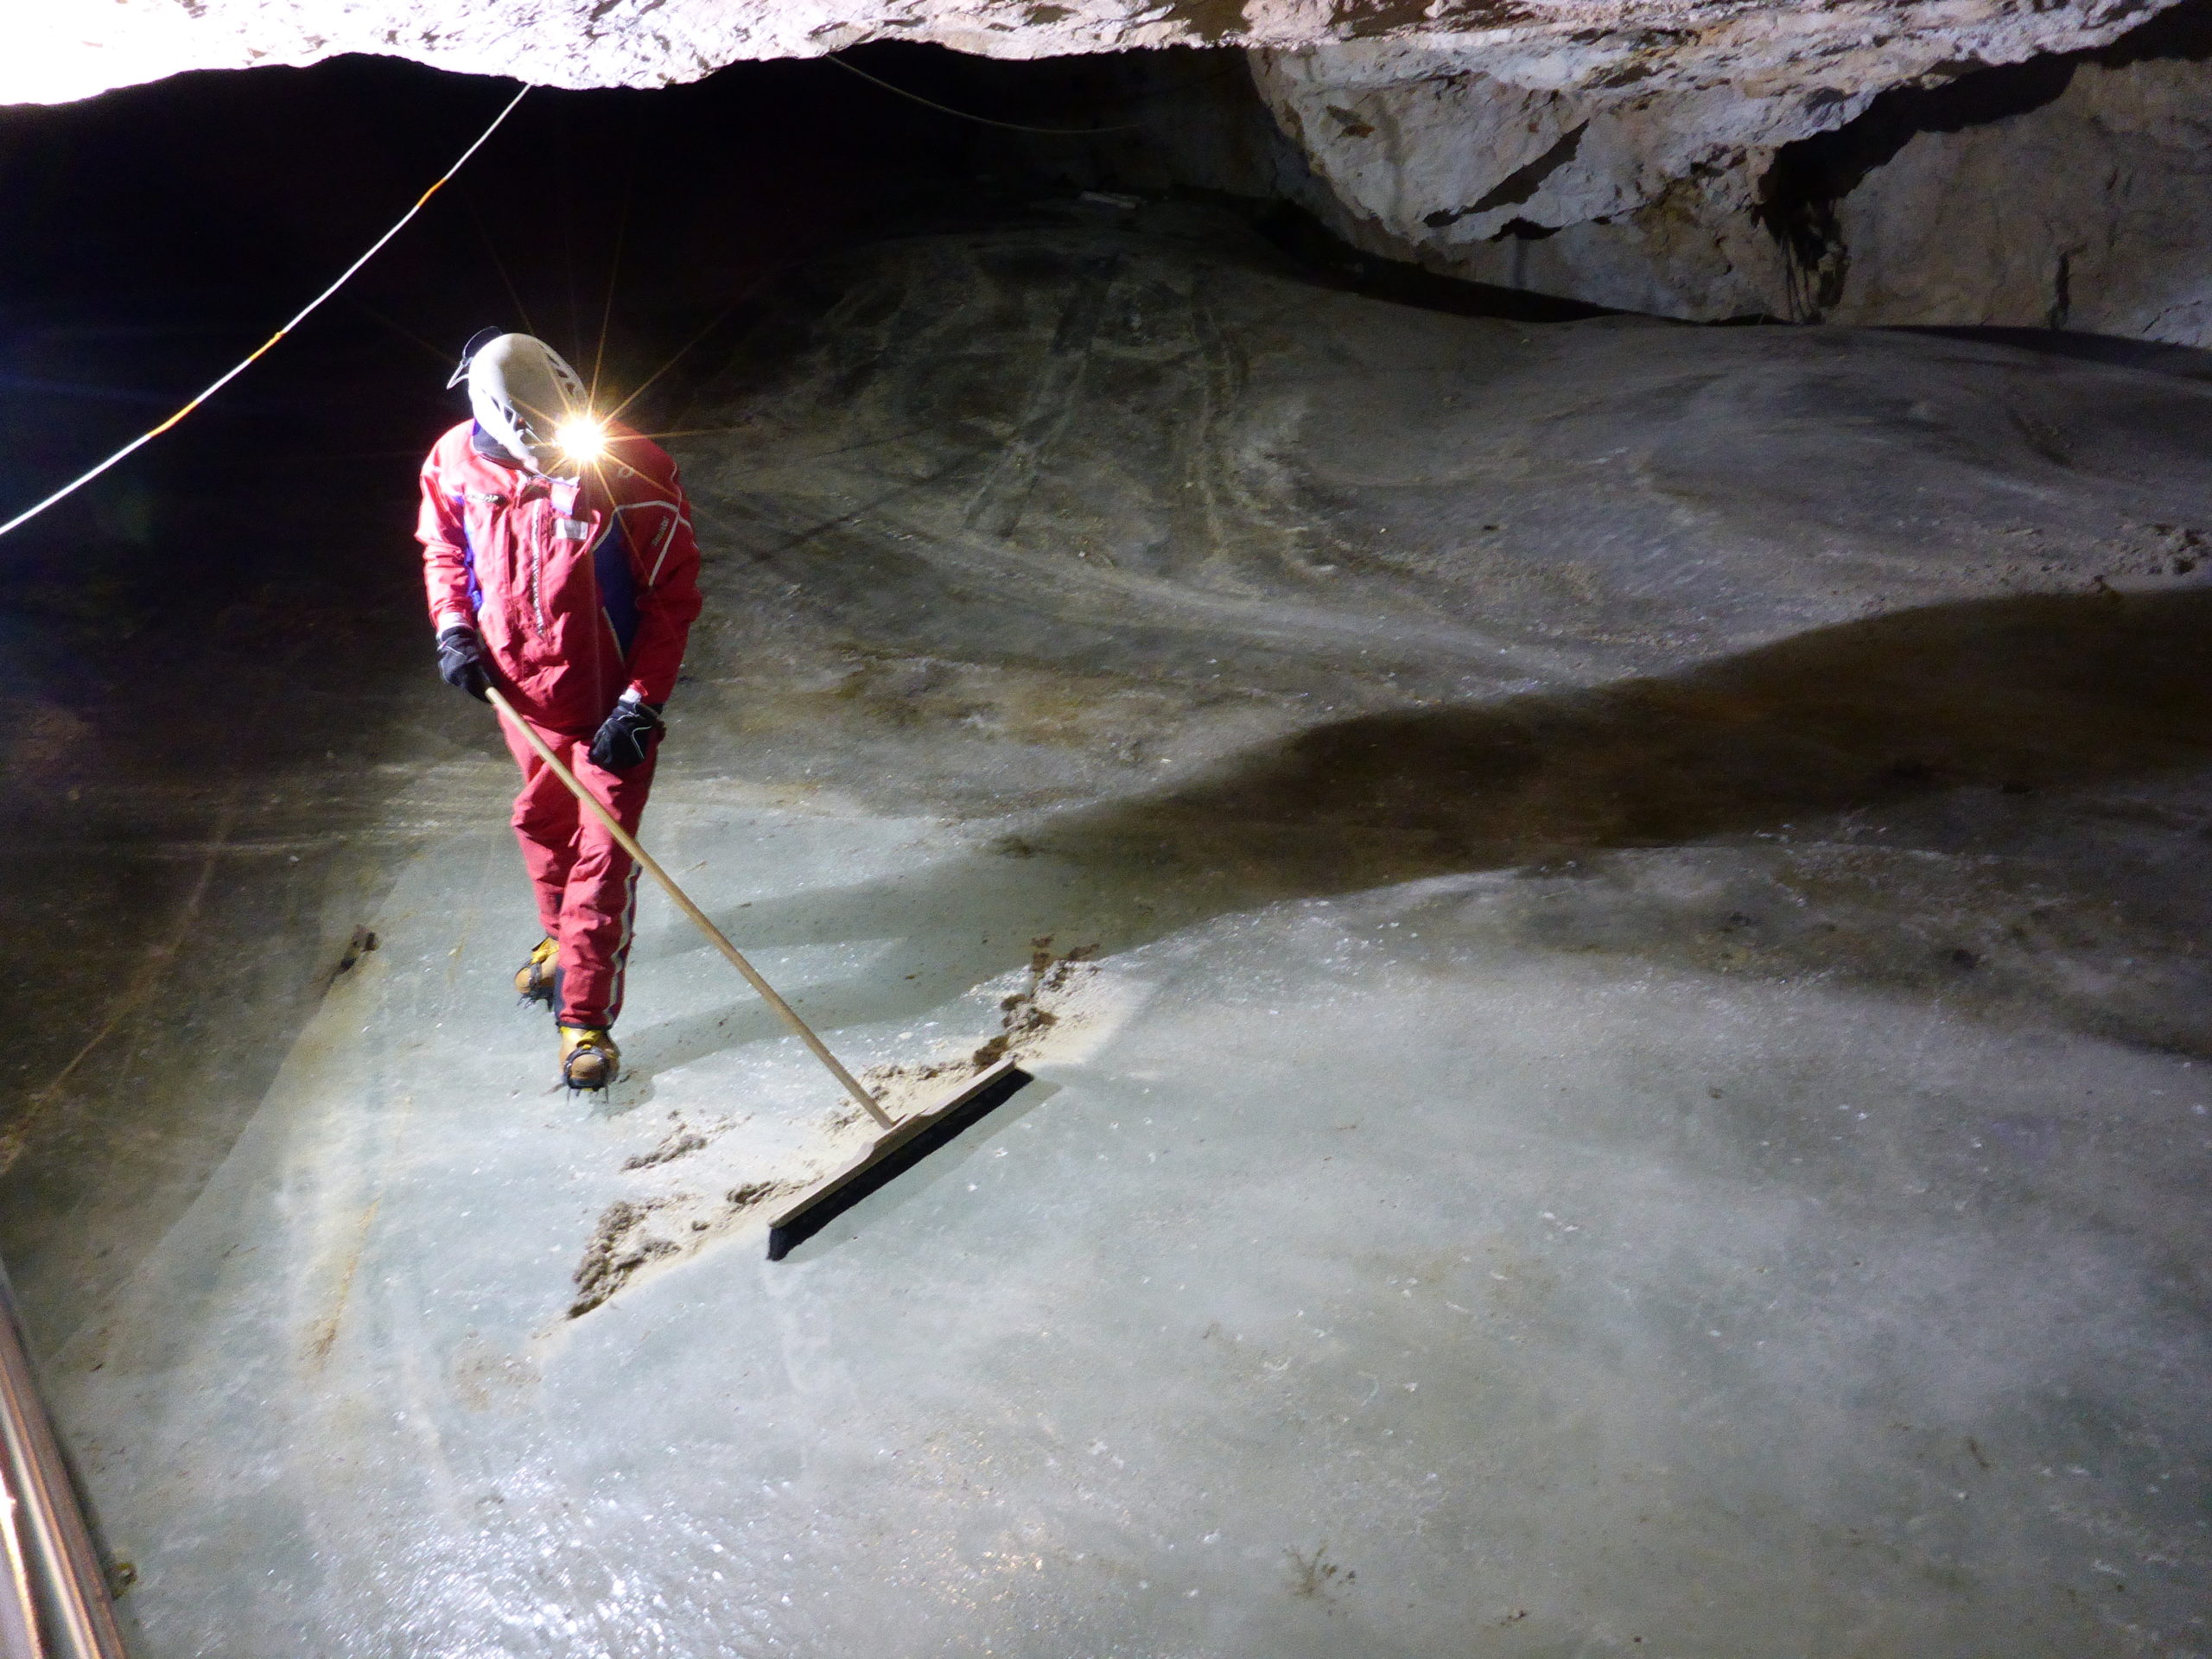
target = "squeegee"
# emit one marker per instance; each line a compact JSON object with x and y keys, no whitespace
{"x":904,"y":1141}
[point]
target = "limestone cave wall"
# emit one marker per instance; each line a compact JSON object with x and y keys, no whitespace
{"x":2068,"y":189}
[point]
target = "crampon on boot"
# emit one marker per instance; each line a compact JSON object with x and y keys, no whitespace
{"x":588,"y":1057}
{"x":534,"y":979}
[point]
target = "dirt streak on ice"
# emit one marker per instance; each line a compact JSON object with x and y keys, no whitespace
{"x":703,"y":1182}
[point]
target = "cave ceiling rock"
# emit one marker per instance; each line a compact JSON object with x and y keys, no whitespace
{"x":1623,"y":165}
{"x":1606,"y":150}
{"x":64,"y":49}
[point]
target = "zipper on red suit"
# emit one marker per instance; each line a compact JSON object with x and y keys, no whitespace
{"x":537,"y":566}
{"x":576,"y":510}
{"x":530,"y":491}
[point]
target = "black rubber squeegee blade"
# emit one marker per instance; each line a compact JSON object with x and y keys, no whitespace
{"x":898,"y":1151}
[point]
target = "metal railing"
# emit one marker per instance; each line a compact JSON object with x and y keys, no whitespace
{"x":54,"y":1594}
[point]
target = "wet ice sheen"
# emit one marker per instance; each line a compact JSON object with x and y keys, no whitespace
{"x":1636,"y":1095}
{"x":1318,"y":1304}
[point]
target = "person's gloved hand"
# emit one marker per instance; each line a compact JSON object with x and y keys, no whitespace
{"x":626,"y":737}
{"x":460,"y":661}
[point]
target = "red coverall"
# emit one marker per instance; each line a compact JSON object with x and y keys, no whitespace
{"x":581,"y":589}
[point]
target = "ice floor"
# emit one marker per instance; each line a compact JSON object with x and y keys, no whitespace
{"x":1610,"y":927}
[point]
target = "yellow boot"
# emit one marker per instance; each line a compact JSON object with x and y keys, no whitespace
{"x":588,"y":1057}
{"x":534,"y":979}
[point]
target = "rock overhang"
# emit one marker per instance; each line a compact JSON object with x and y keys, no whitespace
{"x":67,"y":49}
{"x":1645,"y":156}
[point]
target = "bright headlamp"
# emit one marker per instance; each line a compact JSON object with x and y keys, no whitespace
{"x":582,"y":438}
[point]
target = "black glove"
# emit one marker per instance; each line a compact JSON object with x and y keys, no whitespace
{"x":460,"y":661}
{"x":626,"y":737}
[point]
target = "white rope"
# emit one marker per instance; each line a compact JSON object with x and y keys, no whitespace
{"x":376,"y":247}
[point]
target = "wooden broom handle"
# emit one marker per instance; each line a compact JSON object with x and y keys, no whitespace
{"x":629,"y":844}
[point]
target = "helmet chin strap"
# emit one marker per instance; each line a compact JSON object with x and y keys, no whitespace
{"x":518,"y":441}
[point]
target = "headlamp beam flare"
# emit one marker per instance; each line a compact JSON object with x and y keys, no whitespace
{"x":582,"y":438}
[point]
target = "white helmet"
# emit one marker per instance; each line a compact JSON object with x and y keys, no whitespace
{"x":522,"y":392}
